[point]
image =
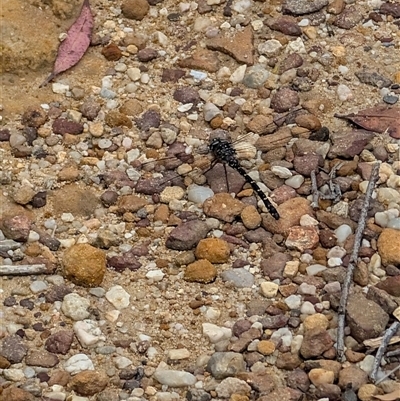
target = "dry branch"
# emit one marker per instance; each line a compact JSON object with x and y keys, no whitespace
{"x":352,"y":264}
{"x":390,"y":332}
{"x":22,"y":270}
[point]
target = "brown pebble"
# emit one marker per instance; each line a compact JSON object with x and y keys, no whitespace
{"x":222,"y":206}
{"x":34,"y":117}
{"x":117,"y":119}
{"x":131,"y":107}
{"x":260,"y":124}
{"x":250,"y":217}
{"x":201,"y":271}
{"x":16,"y":394}
{"x":240,"y":46}
{"x":201,"y":59}
{"x":135,"y":9}
{"x":112,"y":52}
{"x":89,"y":382}
{"x":215,"y":250}
{"x":84,"y":264}
{"x":308,"y":121}
{"x":130,"y":203}
{"x":266,"y":347}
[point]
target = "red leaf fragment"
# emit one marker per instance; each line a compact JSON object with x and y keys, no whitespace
{"x":72,"y":49}
{"x":378,"y":119}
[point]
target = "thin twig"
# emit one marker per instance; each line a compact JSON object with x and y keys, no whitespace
{"x":389,"y":333}
{"x":393,"y":353}
{"x":315,"y":192}
{"x":387,"y":374}
{"x":353,"y":260}
{"x":376,"y":342}
{"x":22,"y":270}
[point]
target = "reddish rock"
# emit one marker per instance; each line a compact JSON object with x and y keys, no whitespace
{"x":302,"y":238}
{"x":16,"y":227}
{"x":63,"y":126}
{"x":285,"y":24}
{"x":240,"y":46}
{"x":201,"y":59}
{"x":147,"y":54}
{"x":365,"y":318}
{"x":315,"y":343}
{"x":60,"y":342}
{"x":284,"y":99}
{"x":187,"y":235}
{"x":391,"y":285}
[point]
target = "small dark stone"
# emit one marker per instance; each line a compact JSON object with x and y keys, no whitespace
{"x":321,"y":135}
{"x":57,"y":293}
{"x":147,"y":54}
{"x":63,"y":126}
{"x":273,"y":266}
{"x":27,"y":303}
{"x":187,"y":95}
{"x":174,"y":17}
{"x":60,"y":342}
{"x":43,"y":377}
{"x":194,"y":394}
{"x":149,"y":119}
{"x":39,"y":199}
{"x":240,"y":327}
{"x":285,"y":24}
{"x":109,"y":198}
{"x":125,"y":261}
{"x":274,"y":322}
{"x":284,"y":99}
{"x":390,"y":99}
{"x":373,"y":78}
{"x":172,"y":75}
{"x":30,"y":133}
{"x":298,"y":379}
{"x":131,"y":384}
{"x":5,"y":135}
{"x":38,"y":327}
{"x":349,"y":18}
{"x":187,"y":235}
{"x":294,"y":60}
{"x":13,"y":349}
{"x":388,"y":8}
{"x":10,"y":301}
{"x":127,"y":374}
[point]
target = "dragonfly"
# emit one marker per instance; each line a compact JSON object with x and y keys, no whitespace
{"x":222,"y":150}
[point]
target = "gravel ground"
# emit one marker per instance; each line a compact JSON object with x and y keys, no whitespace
{"x":144,"y":279}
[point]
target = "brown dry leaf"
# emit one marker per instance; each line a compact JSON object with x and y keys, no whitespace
{"x":379,"y":119}
{"x":72,"y":49}
{"x":394,"y":395}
